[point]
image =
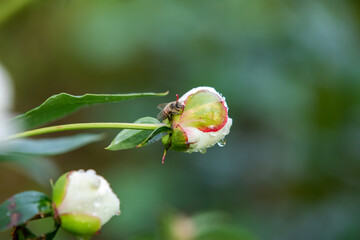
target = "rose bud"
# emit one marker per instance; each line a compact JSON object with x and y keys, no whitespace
{"x":202,"y":122}
{"x":84,"y":201}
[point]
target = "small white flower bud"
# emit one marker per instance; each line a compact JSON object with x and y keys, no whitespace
{"x":84,"y":202}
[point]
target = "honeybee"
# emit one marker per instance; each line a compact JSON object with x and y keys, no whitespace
{"x":168,"y":110}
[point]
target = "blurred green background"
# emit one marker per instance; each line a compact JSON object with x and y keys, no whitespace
{"x":290,"y":71}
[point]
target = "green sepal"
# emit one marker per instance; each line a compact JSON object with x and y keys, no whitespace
{"x":59,"y":189}
{"x":81,"y":225}
{"x":176,"y":140}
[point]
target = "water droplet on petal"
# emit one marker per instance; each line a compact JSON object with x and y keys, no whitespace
{"x":222,"y":142}
{"x":203,"y":151}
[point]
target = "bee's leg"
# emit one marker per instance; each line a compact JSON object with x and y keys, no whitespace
{"x":169,"y":116}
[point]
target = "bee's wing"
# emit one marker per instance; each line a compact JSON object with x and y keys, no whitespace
{"x":160,"y":116}
{"x":162,"y":106}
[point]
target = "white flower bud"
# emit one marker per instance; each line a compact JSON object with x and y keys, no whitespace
{"x":84,"y":202}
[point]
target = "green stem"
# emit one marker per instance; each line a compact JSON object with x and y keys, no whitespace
{"x":78,"y":126}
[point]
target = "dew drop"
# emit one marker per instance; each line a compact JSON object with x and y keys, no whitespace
{"x":222,"y":142}
{"x":203,"y":151}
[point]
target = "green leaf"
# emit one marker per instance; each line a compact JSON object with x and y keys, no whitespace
{"x":24,"y":154}
{"x":156,"y":135}
{"x":128,"y":138}
{"x":63,"y":104}
{"x":50,"y":146}
{"x":22,"y":207}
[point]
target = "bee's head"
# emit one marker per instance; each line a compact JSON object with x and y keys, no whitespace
{"x":178,"y":105}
